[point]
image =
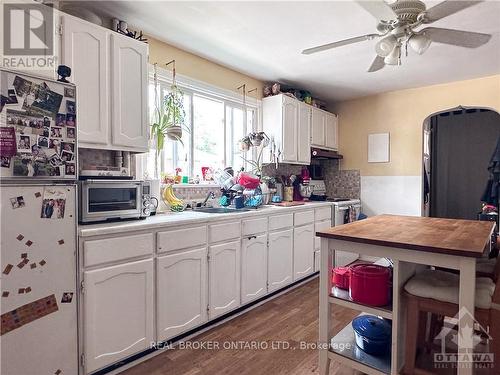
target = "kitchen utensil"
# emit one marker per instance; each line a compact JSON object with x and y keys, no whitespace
{"x":340,"y":277}
{"x":369,"y":284}
{"x":373,"y":334}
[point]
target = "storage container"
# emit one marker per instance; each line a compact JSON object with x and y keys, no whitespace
{"x":373,"y":334}
{"x":369,"y":284}
{"x":340,"y":277}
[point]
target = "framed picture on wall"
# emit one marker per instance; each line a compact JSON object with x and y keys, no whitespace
{"x":379,"y":148}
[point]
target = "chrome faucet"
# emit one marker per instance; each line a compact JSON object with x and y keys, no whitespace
{"x":211,"y":195}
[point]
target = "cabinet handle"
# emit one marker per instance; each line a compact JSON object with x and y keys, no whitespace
{"x":251,"y":237}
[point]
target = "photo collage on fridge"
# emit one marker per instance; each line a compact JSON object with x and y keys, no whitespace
{"x":38,"y":128}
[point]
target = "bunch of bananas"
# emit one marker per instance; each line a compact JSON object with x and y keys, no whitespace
{"x":176,"y":204}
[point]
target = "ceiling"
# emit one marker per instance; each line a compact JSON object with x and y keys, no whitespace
{"x":265,"y":40}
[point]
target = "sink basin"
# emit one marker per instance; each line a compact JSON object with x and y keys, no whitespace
{"x":220,"y":210}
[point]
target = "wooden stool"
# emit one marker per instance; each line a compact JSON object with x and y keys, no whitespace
{"x":487,"y":313}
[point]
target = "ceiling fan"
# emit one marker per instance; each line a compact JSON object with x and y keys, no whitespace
{"x":397,"y":22}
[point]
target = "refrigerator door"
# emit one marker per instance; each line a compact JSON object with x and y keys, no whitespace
{"x":38,"y":123}
{"x":38,"y":280}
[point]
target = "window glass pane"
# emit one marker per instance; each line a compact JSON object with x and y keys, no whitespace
{"x":239,"y":132}
{"x":182,"y":150}
{"x":208,"y":133}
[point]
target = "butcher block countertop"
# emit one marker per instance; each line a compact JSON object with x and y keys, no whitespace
{"x":447,"y":236}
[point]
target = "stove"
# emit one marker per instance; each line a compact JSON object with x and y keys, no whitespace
{"x":318,"y":193}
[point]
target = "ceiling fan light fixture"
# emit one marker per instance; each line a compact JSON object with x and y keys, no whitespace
{"x":393,"y":58}
{"x":386,"y":45}
{"x":419,"y":43}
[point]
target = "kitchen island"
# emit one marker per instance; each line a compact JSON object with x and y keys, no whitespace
{"x":412,"y":243}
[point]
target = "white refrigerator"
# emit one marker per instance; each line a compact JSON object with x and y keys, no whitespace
{"x":38,"y":220}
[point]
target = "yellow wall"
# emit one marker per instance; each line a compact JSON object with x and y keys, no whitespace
{"x":201,"y":69}
{"x":401,"y":113}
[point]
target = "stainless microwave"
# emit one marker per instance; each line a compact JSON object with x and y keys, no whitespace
{"x":102,"y":200}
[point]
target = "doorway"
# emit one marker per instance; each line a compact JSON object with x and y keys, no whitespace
{"x":458,"y":145}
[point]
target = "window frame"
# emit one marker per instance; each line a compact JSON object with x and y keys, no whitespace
{"x":192,"y":88}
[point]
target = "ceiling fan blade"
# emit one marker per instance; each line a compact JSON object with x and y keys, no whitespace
{"x":340,"y":43}
{"x":378,"y":9}
{"x":460,"y":38}
{"x":447,"y":8}
{"x":377,"y":64}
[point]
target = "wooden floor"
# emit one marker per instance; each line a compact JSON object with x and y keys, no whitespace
{"x":292,"y":317}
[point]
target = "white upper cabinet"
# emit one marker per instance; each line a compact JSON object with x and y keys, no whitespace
{"x":129,"y":82}
{"x":318,"y":125}
{"x":296,"y":126}
{"x":332,"y":131}
{"x":118,"y":312}
{"x":324,"y":129}
{"x":85,"y":48}
{"x":290,"y":123}
{"x":304,"y":134}
{"x":184,"y":306}
{"x":111,"y":75}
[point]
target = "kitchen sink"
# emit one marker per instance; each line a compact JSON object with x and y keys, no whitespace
{"x":221,"y":210}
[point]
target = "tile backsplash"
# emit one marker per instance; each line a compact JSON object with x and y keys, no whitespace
{"x":339,"y":183}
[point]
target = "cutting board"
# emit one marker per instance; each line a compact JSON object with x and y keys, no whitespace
{"x":289,"y":204}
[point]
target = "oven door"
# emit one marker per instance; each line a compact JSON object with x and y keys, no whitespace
{"x":110,"y":200}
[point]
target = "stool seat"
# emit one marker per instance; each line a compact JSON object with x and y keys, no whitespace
{"x":486,"y":266}
{"x":444,"y":286}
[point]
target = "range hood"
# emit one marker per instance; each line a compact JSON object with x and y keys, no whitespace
{"x":318,"y":153}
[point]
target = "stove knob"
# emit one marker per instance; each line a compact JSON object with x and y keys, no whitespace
{"x":146,"y":211}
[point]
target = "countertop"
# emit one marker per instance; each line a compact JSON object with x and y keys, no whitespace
{"x":171,"y":219}
{"x":467,"y":238}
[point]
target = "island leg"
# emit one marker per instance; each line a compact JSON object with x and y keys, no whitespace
{"x":466,"y":306}
{"x":325,"y":286}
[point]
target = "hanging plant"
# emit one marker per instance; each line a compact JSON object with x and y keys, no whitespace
{"x":170,"y":116}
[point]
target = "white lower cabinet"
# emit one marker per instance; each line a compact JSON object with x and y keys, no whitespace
{"x":224,"y":278}
{"x":253,"y":267}
{"x":280,"y":260}
{"x":319,"y":226}
{"x":118,"y":312}
{"x":181,"y":292}
{"x":303,"y":251}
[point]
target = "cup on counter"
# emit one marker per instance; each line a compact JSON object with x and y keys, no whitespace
{"x":288,"y":193}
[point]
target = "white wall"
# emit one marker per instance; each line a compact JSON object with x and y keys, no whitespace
{"x":399,"y":195}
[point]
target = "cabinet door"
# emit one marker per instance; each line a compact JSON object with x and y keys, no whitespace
{"x":332,"y":131}
{"x":85,"y":48}
{"x":129,"y":82}
{"x":280,"y":263}
{"x":318,"y":124}
{"x":224,"y":278}
{"x":320,"y":225}
{"x":118,"y":312}
{"x":303,"y":253}
{"x":253,"y":267}
{"x":290,"y":116}
{"x":182,"y":292}
{"x":304,"y":134}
